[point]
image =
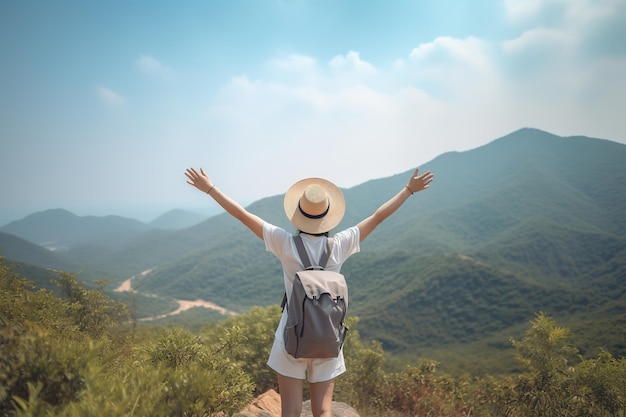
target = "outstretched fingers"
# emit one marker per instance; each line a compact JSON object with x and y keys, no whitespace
{"x":191,"y":173}
{"x":420,"y":182}
{"x":427,"y":178}
{"x":193,"y":177}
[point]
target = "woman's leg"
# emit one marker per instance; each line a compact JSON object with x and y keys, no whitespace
{"x":322,"y":398}
{"x":290,"y":390}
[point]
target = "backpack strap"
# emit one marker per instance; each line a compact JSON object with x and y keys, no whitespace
{"x":326,"y":255}
{"x":304,"y":256}
{"x":306,"y":261}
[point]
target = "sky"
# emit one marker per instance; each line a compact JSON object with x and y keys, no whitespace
{"x":104,"y":104}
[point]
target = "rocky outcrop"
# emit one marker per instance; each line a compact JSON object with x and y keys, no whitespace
{"x":265,"y":405}
{"x":268,"y":405}
{"x":339,"y":410}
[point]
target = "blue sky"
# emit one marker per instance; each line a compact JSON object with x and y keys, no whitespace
{"x":103,"y":104}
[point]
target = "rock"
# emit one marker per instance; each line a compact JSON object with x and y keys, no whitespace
{"x":268,"y":405}
{"x":339,"y":410}
{"x":265,"y":405}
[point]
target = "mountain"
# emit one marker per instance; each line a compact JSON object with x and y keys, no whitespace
{"x":523,"y":224}
{"x":32,"y":260}
{"x":529,"y":222}
{"x":177,"y":219}
{"x":20,"y":250}
{"x":61,"y":230}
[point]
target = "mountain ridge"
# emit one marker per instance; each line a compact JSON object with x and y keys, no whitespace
{"x":177,"y":219}
{"x":61,"y":230}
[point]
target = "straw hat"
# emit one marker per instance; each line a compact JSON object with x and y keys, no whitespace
{"x":314,"y":205}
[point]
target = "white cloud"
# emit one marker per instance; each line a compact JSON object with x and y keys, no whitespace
{"x":351,"y":62}
{"x":447,"y":59}
{"x":563,"y":13}
{"x":151,"y":66}
{"x":522,"y":9}
{"x":109,"y":96}
{"x":539,"y":38}
{"x":342,"y":71}
{"x":294,"y":62}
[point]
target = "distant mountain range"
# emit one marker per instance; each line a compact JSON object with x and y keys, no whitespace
{"x":529,"y":222}
{"x":61,"y":230}
{"x":177,"y":219}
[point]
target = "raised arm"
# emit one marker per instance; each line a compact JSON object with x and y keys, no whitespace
{"x":202,"y":182}
{"x":416,"y":183}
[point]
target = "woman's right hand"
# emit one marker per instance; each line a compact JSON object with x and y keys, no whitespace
{"x":418,"y":182}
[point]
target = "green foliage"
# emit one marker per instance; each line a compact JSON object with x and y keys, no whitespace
{"x":360,"y":385}
{"x":602,"y":383}
{"x":76,"y":356}
{"x":200,"y":377}
{"x":39,"y":344}
{"x":31,"y":354}
{"x":554,"y":382}
{"x":256,"y":331}
{"x":169,"y":372}
{"x":545,"y":351}
{"x":420,"y":390}
{"x":557,"y":383}
{"x":175,"y":349}
{"x":93,"y":312}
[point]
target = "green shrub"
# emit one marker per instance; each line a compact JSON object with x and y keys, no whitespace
{"x":176,"y":348}
{"x":93,"y":312}
{"x":29,"y":354}
{"x":361,"y":384}
{"x":199,"y":377}
{"x":42,"y":355}
{"x":421,"y":390}
{"x":247,"y":339}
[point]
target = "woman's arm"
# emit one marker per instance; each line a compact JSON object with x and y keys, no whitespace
{"x":202,"y":182}
{"x":416,"y":183}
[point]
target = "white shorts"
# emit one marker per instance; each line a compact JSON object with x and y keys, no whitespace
{"x":313,"y":370}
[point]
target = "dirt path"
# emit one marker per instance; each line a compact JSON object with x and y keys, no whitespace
{"x":127,"y":286}
{"x":183,"y":305}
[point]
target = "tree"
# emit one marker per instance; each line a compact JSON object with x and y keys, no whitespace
{"x":92,"y":310}
{"x":547,"y":390}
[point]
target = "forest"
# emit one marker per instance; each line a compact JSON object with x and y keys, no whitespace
{"x":75,"y":351}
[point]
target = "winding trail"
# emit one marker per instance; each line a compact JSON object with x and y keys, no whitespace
{"x":183,"y":305}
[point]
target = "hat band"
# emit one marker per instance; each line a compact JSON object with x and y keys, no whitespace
{"x":313,"y":216}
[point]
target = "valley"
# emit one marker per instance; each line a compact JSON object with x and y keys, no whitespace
{"x":183,"y":305}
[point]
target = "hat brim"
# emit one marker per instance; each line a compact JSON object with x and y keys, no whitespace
{"x":335,"y":213}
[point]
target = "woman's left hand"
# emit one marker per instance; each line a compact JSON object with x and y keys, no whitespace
{"x":201,"y":181}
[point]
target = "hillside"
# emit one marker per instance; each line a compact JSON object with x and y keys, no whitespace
{"x":177,"y":219}
{"x":529,"y":222}
{"x":33,"y":260}
{"x":508,"y":229}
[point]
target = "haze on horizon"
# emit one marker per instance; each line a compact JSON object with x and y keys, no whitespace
{"x":104,"y":104}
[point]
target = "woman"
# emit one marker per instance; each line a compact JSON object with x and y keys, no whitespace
{"x":314,"y":206}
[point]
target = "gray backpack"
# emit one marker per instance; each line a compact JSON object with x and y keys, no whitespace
{"x":316,"y":309}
